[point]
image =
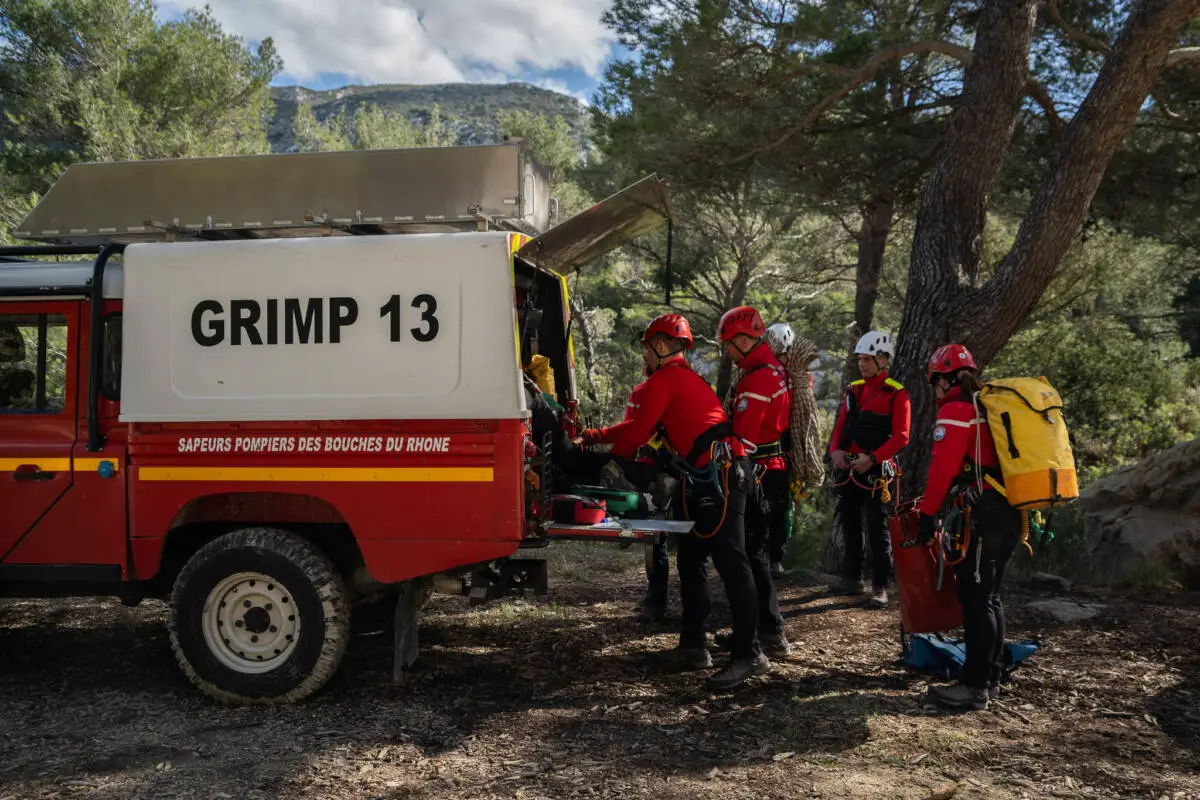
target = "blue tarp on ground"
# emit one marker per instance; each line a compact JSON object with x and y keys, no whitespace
{"x":945,"y":657}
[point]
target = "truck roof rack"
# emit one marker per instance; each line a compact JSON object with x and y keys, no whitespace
{"x":418,"y":190}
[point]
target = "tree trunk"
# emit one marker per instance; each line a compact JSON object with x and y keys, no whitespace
{"x":736,"y":297}
{"x":724,"y":377}
{"x":944,"y":302}
{"x":877,"y":215}
{"x":952,"y":208}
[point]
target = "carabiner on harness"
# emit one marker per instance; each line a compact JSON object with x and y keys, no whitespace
{"x":715,"y":473}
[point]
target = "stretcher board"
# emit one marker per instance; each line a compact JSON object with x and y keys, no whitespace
{"x":625,"y":530}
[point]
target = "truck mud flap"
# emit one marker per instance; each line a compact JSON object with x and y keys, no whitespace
{"x":623,"y":530}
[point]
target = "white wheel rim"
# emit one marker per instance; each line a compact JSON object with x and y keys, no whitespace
{"x":251,"y":623}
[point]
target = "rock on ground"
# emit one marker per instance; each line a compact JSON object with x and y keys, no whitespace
{"x":1148,"y":514}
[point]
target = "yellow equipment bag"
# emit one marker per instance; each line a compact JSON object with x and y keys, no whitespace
{"x":1026,"y":420}
{"x":543,"y":374}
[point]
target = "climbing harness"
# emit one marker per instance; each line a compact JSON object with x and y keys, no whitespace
{"x":715,"y":473}
{"x":889,"y":474}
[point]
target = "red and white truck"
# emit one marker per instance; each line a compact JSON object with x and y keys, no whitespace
{"x":280,"y":385}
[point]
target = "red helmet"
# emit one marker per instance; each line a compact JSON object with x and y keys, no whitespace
{"x":673,"y":325}
{"x":743,"y":319}
{"x":950,"y":358}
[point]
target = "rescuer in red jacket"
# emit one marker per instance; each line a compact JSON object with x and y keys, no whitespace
{"x":683,"y":408}
{"x":761,"y":406}
{"x":653,"y":607}
{"x":964,"y":455}
{"x":871,"y":429}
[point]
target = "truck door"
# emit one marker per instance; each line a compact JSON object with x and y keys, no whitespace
{"x":38,"y":378}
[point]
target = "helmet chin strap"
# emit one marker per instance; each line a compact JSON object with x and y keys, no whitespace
{"x":659,"y":358}
{"x":745,"y":353}
{"x":878,"y":367}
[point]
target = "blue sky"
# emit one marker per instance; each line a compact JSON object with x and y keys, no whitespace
{"x":557,"y":44}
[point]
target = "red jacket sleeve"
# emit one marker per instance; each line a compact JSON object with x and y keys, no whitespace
{"x":608,"y":435}
{"x":901,"y":422}
{"x":626,"y":437}
{"x":952,"y":438}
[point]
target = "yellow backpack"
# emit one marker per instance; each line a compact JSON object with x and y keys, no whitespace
{"x":1026,"y":421}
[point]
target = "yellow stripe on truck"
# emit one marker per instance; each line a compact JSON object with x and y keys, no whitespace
{"x":319,"y":474}
{"x":56,"y":464}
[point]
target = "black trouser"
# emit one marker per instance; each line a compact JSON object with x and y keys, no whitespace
{"x":781,"y":521}
{"x":726,"y":543}
{"x":759,"y":517}
{"x":658,"y":574}
{"x":996,"y":531}
{"x":859,"y":508}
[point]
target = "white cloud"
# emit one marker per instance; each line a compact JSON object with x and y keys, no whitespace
{"x":560,"y":86}
{"x":420,"y":41}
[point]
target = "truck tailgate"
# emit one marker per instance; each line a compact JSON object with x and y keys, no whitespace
{"x":623,"y":530}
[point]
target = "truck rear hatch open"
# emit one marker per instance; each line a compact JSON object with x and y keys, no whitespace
{"x":613,"y":222}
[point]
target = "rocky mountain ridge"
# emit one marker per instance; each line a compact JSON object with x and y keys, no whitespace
{"x":471,"y":108}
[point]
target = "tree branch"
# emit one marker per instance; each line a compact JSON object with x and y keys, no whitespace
{"x":856,"y":77}
{"x":1075,"y":34}
{"x":1182,"y":57}
{"x":1056,"y":213}
{"x":1039,"y":94}
{"x":1175,"y":58}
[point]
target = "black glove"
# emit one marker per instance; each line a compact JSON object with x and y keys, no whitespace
{"x":926,"y":528}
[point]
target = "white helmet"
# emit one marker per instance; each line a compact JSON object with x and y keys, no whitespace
{"x":780,"y":337}
{"x":875,"y":343}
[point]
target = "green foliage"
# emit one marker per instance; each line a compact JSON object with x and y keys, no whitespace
{"x":550,"y":140}
{"x":1068,"y":553}
{"x":1187,"y":306}
{"x":101,"y":80}
{"x":811,"y":521}
{"x":56,"y":358}
{"x":13,"y":207}
{"x":369,"y":128}
{"x":1106,"y":338}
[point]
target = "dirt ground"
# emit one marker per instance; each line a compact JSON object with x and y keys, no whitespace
{"x":561,"y":697}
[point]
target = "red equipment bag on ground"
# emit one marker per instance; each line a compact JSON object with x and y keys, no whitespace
{"x":923,"y":607}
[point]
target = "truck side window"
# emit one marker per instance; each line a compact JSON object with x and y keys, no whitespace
{"x":33,"y":363}
{"x":110,"y":383}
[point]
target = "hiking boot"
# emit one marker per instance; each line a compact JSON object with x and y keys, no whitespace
{"x":776,"y":569}
{"x":849,"y":586}
{"x":878,"y":599}
{"x":689,"y":658}
{"x":959,"y":696}
{"x":648,"y":612}
{"x":775,"y":645}
{"x":994,"y":690}
{"x":739,"y":671}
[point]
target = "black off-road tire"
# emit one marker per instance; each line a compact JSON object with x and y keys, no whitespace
{"x":300,"y":582}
